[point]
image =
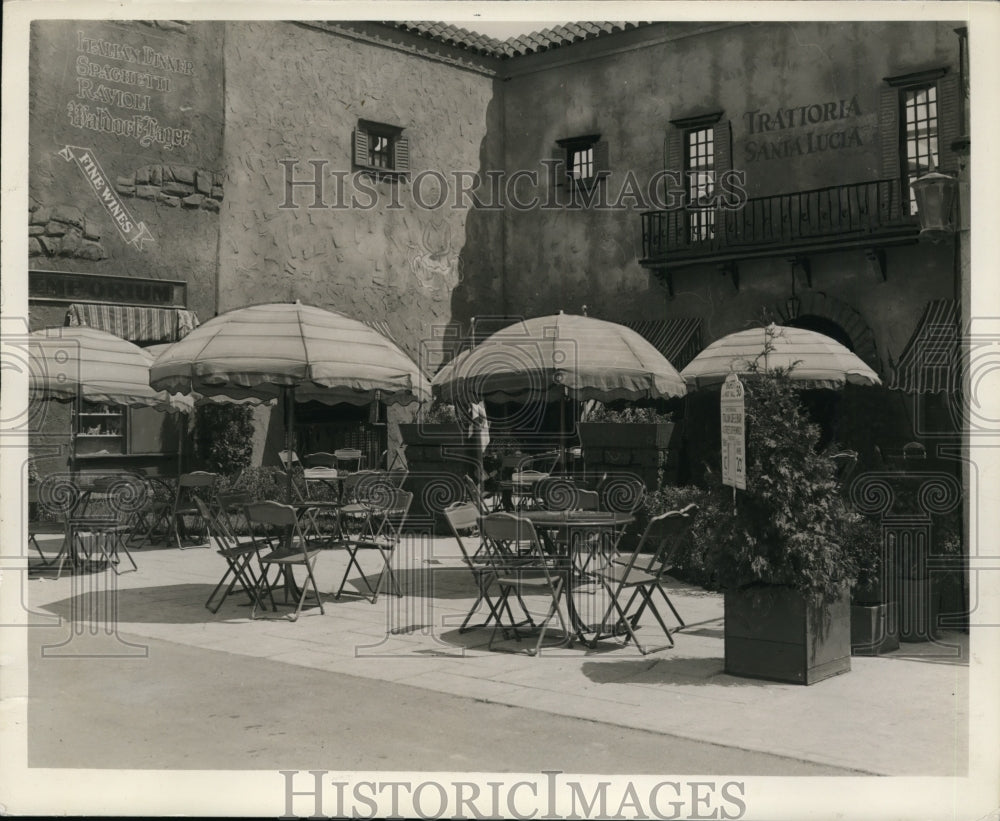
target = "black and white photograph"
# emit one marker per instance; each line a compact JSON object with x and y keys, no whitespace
{"x":500,"y":410}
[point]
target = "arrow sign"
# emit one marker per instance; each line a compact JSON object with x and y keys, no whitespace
{"x":132,"y":231}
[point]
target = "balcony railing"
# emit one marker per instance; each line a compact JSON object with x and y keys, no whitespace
{"x":820,"y":219}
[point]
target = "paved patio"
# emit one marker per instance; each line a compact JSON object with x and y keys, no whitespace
{"x":867,"y":720}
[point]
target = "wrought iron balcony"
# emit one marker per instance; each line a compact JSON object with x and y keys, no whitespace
{"x":825,"y":219}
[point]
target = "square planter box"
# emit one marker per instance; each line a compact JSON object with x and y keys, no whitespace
{"x":874,"y":629}
{"x":775,"y":633}
{"x":627,"y":435}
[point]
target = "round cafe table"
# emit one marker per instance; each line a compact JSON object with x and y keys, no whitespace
{"x":581,"y":533}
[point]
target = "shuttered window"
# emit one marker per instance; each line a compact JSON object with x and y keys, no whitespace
{"x":919,"y":120}
{"x":381,"y":148}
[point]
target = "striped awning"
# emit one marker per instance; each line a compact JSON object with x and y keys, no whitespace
{"x":138,"y":324}
{"x":930,"y":362}
{"x":679,"y":340}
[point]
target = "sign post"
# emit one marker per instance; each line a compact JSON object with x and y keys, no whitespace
{"x":733,"y":418}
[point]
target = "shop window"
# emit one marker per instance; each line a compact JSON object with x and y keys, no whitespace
{"x":581,"y":161}
{"x":697,"y":151}
{"x":919,"y":119}
{"x":381,"y":148}
{"x":101,"y":429}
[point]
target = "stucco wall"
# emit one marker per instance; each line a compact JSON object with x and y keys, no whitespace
{"x":143,"y":101}
{"x":563,"y":258}
{"x":293,"y":92}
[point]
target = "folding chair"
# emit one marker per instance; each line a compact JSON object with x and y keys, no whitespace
{"x":381,"y":532}
{"x":534,"y":572}
{"x":475,"y":494}
{"x":641,"y":581}
{"x":157,"y":513}
{"x":238,"y":553}
{"x":463,"y":517}
{"x":189,"y":485}
{"x":287,"y":547}
{"x":357,"y":492}
{"x":348,"y":459}
{"x":621,"y":494}
{"x":36,"y":527}
{"x":123,"y":497}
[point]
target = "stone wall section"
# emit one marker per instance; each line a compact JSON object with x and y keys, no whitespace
{"x":175,"y":186}
{"x":63,"y":230}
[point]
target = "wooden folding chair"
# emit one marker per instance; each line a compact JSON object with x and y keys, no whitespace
{"x":463,"y":519}
{"x":200,"y":483}
{"x":239,"y":553}
{"x":532,"y":571}
{"x":380,"y":532}
{"x":348,"y":459}
{"x":121,"y":499}
{"x":642,"y":579}
{"x":281,"y":536}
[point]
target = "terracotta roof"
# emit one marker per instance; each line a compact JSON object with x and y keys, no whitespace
{"x":537,"y":41}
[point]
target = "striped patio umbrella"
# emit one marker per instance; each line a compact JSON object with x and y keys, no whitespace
{"x":814,"y":360}
{"x":292,"y":352}
{"x":85,"y":363}
{"x":75,"y":364}
{"x":559,"y":356}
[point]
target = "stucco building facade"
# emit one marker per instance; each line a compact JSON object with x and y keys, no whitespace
{"x":694,"y":178}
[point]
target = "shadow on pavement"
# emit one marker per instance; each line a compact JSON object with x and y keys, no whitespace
{"x":668,"y":670}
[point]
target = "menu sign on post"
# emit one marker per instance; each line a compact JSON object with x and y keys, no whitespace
{"x":734,"y":463}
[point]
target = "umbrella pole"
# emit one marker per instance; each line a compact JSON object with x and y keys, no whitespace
{"x":74,"y":429}
{"x":288,"y":396}
{"x":562,"y":430}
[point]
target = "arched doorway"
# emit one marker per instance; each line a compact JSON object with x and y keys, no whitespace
{"x":824,"y":406}
{"x":823,"y":325}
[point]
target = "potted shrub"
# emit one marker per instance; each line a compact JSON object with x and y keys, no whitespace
{"x":436,"y":426}
{"x":437,"y":455}
{"x":787,"y":555}
{"x":629,"y":438}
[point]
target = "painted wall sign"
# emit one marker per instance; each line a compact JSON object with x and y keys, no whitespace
{"x":132,"y":230}
{"x":761,"y":125}
{"x":67,"y":286}
{"x":733,"y":417}
{"x":146,"y":74}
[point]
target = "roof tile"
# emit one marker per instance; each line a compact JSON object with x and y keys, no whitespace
{"x":555,"y":37}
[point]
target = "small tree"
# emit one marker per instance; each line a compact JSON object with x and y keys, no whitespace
{"x":225,"y":436}
{"x":791,"y":526}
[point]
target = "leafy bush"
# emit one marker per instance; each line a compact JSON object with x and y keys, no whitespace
{"x":439,"y":413}
{"x":225,"y":436}
{"x":791,"y":526}
{"x":627,"y":414}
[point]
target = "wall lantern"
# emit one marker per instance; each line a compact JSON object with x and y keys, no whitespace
{"x":935,"y":194}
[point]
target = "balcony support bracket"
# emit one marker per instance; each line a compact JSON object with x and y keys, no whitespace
{"x":877,"y":262}
{"x":803,"y":264}
{"x":733,"y":270}
{"x":666,"y":276}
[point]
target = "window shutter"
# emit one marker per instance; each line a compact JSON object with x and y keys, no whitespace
{"x":360,"y":147}
{"x":889,"y":168}
{"x":888,"y":126}
{"x":602,"y":164}
{"x":949,"y":122}
{"x":401,"y":154}
{"x":673,"y":161}
{"x":722,"y":134}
